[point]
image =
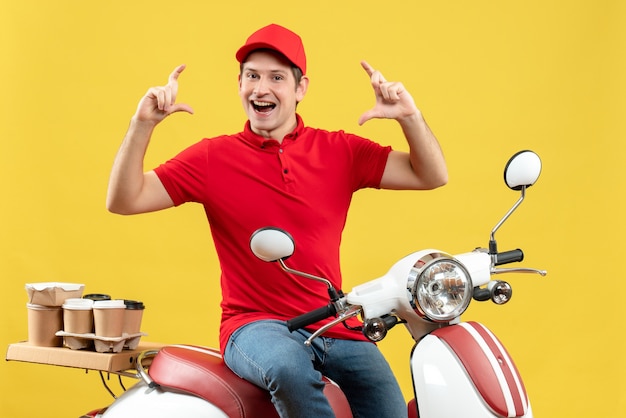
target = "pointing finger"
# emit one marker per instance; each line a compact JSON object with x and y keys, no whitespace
{"x":376,"y":76}
{"x":176,"y":73}
{"x":368,"y":68}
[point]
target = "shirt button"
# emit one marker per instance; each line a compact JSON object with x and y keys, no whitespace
{"x":285,"y":171}
{"x":280,"y":150}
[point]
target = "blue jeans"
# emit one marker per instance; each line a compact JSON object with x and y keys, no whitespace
{"x":268,"y":355}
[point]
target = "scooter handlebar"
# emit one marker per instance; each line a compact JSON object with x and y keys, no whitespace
{"x":507,"y":257}
{"x":311,"y":317}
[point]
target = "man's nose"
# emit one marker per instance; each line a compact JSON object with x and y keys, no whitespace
{"x":261,"y":87}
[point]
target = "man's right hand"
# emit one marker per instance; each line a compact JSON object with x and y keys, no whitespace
{"x":160,"y":102}
{"x":130,"y":189}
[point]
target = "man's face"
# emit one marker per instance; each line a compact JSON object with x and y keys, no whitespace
{"x":269,"y":94}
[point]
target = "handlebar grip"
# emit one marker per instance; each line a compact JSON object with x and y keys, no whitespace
{"x":311,"y":317}
{"x":509,"y":257}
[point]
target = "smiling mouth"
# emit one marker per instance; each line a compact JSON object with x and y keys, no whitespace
{"x":263,"y":107}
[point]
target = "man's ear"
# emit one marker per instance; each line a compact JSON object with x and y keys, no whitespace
{"x":302,"y":87}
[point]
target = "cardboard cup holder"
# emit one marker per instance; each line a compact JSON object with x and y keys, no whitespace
{"x":101,"y":344}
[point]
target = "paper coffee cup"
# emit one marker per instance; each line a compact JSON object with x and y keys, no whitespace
{"x":43,"y":323}
{"x":133,"y":316}
{"x":78,"y":316}
{"x":108,"y":317}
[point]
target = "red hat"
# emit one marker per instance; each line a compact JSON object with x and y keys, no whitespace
{"x":279,"y":39}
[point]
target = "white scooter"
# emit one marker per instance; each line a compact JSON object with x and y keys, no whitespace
{"x":459,"y":369}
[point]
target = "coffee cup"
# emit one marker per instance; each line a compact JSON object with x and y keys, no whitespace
{"x":108,"y":317}
{"x":78,"y":316}
{"x":133,"y":316}
{"x":43,"y":323}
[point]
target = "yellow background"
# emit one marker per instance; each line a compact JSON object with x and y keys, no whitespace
{"x":491,"y":78}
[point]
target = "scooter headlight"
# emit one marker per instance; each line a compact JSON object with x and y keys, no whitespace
{"x":442,"y":288}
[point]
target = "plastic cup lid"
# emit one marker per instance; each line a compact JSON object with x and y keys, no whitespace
{"x":109,"y":304}
{"x":134,"y":304}
{"x":97,"y":296}
{"x":78,"y":304}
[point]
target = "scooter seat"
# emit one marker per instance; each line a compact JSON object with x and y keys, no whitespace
{"x":202,"y":372}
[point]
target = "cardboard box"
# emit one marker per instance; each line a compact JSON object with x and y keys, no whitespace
{"x":53,"y":293}
{"x":82,"y":359}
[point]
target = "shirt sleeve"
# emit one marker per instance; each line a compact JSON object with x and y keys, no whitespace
{"x":184,"y":175}
{"x":369,"y":162}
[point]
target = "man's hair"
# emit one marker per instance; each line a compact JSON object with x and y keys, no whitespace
{"x":297,"y":72}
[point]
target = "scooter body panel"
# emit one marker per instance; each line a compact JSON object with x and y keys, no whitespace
{"x":457,"y":373}
{"x":142,"y":401}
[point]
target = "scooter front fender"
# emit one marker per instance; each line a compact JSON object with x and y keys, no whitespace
{"x":463,"y":370}
{"x":142,"y":401}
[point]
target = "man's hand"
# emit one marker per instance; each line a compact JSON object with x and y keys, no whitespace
{"x":160,"y":102}
{"x":393,"y":101}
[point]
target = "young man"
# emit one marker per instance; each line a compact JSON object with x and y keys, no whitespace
{"x":279,"y":172}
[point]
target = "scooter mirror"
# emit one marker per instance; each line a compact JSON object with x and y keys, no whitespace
{"x":522,"y":169}
{"x":272,"y":244}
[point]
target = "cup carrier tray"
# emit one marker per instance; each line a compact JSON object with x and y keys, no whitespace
{"x":101,"y":344}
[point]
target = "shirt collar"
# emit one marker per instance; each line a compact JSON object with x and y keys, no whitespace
{"x":260,"y":141}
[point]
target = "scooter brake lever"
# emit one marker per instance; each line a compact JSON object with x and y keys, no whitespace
{"x":518,"y":270}
{"x":343,"y":316}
